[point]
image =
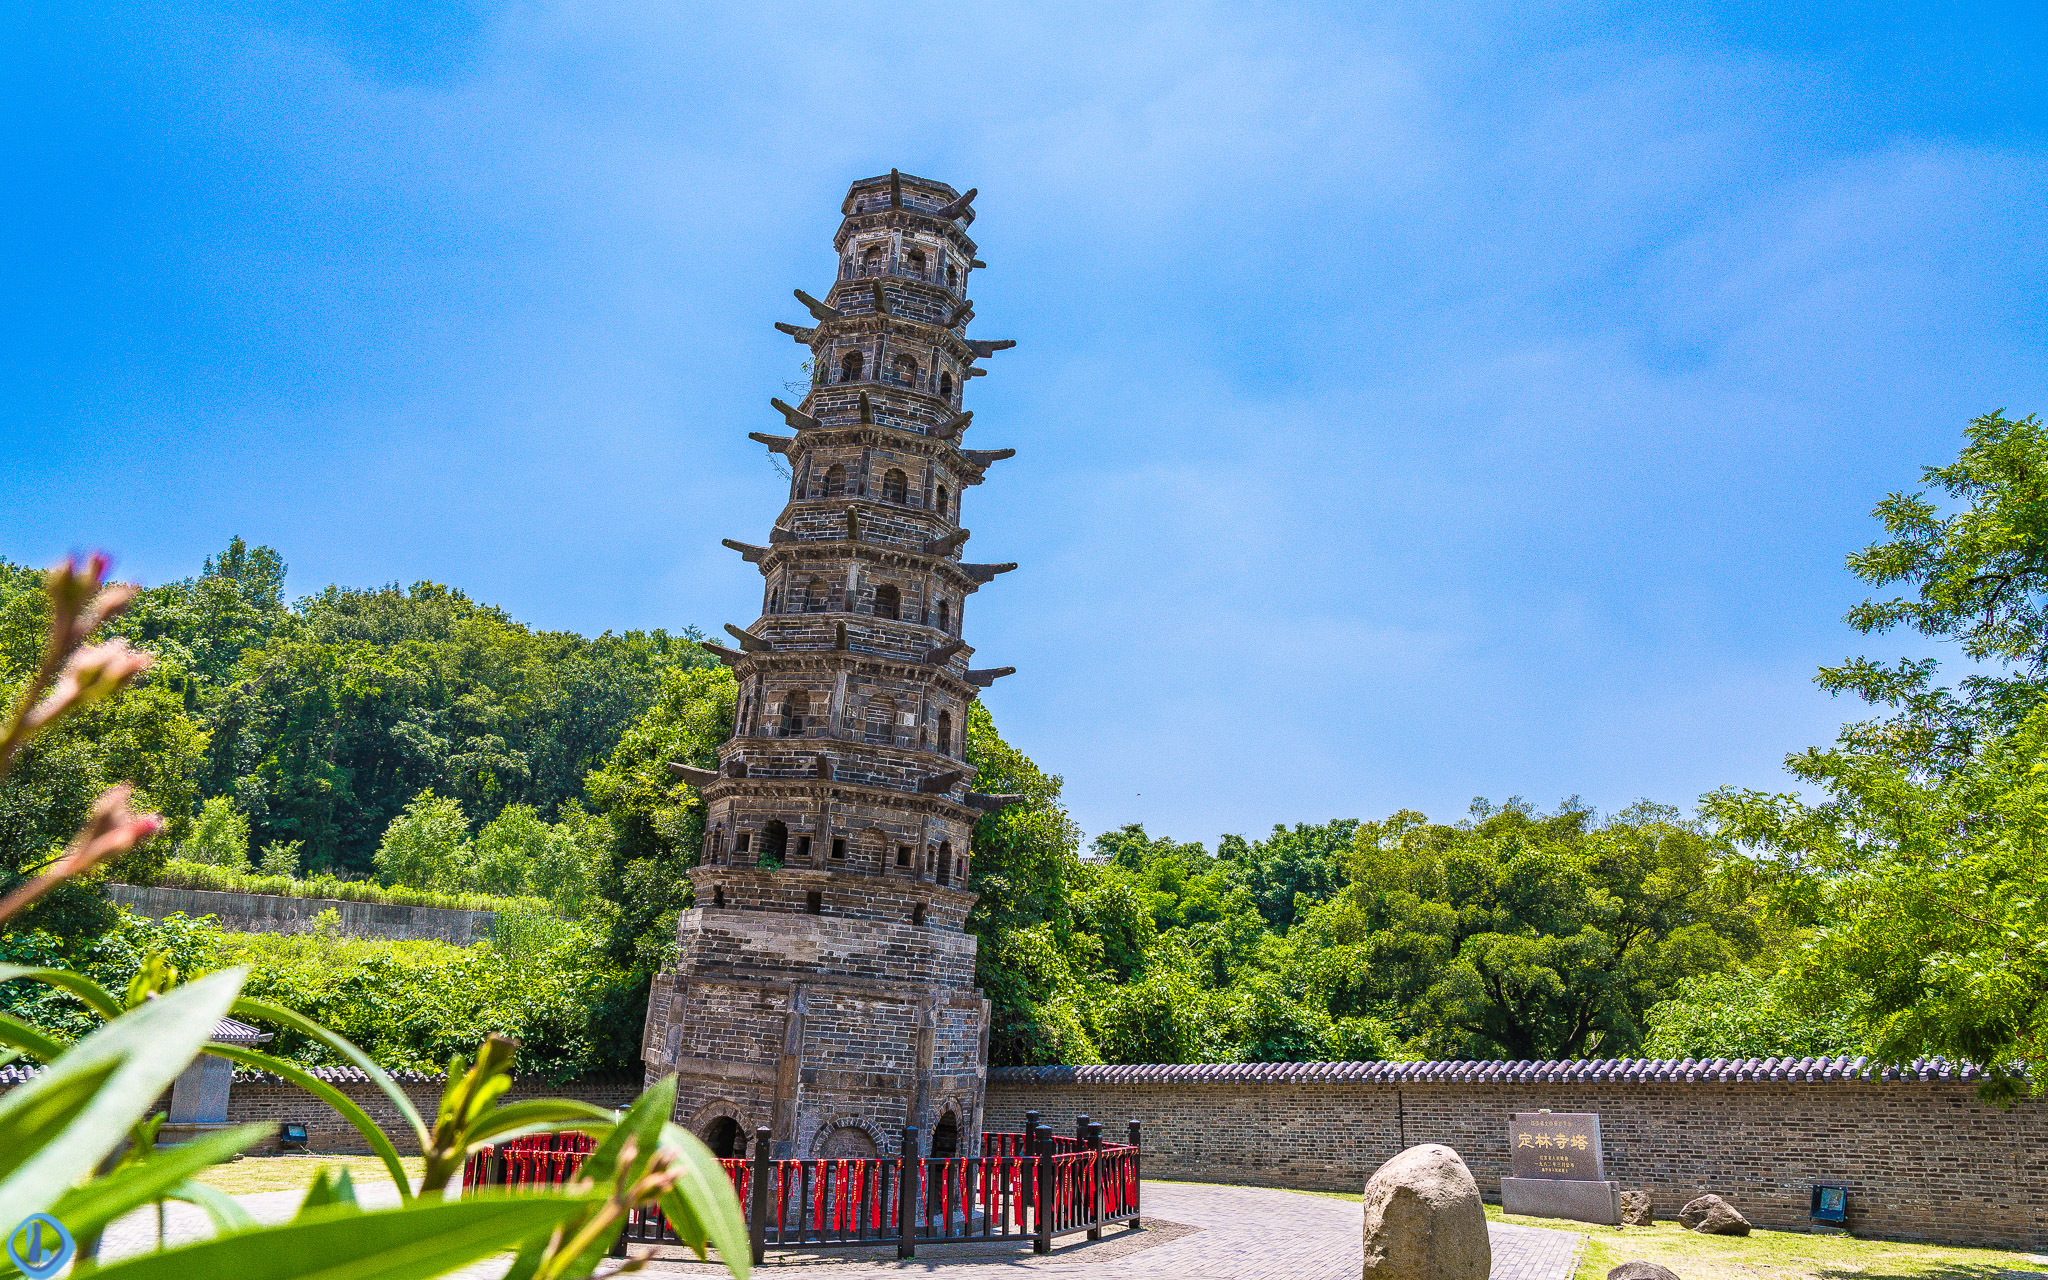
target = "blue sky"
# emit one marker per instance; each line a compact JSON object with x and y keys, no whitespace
{"x":1412,"y":402}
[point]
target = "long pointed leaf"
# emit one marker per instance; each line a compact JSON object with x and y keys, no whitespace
{"x":44,"y":1119}
{"x":30,"y":1040}
{"x":642,"y":1125}
{"x":146,"y":1049}
{"x":338,"y":1243}
{"x":340,"y":1044}
{"x":341,"y":1189}
{"x":702,"y":1205}
{"x":101,"y":1000}
{"x":344,"y":1105}
{"x":538,"y":1115}
{"x":88,"y":1208}
{"x":227,"y":1213}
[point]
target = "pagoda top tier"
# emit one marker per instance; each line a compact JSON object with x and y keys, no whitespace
{"x":897,"y":190}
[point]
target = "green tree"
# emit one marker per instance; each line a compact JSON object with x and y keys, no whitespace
{"x":1741,"y":1014}
{"x":656,"y":817}
{"x":280,"y":858}
{"x":1025,"y":858}
{"x":509,"y":851}
{"x":1293,"y":869}
{"x":427,"y":846}
{"x":220,"y":836}
{"x":1518,"y":934}
{"x":1917,"y":880}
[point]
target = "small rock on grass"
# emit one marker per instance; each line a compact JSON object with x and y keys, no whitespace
{"x":1635,"y":1209}
{"x":1640,"y":1271}
{"x":1713,"y":1216}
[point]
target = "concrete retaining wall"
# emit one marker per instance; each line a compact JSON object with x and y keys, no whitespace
{"x":274,"y":913}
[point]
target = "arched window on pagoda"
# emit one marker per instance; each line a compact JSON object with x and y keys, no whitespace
{"x":945,"y":733}
{"x":814,"y":596}
{"x":888,"y":602}
{"x":849,"y":367}
{"x":796,"y":708}
{"x":895,"y":486}
{"x":945,"y":617}
{"x":835,"y":481}
{"x":873,"y":260}
{"x":946,"y":384}
{"x":913,"y":262}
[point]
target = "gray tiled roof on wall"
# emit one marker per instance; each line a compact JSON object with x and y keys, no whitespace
{"x":1579,"y":1071}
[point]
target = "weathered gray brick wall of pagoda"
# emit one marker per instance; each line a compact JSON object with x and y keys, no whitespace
{"x":1924,"y":1159}
{"x":823,"y":986}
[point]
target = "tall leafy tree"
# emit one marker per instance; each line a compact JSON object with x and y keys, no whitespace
{"x":1919,"y":877}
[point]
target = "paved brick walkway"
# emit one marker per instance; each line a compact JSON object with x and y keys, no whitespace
{"x":1202,"y":1233}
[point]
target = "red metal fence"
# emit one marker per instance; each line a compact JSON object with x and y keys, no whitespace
{"x":1024,"y":1185}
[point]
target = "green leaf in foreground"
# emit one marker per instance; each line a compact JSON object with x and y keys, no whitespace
{"x":702,"y":1206}
{"x":340,"y":1189}
{"x":266,"y":1012}
{"x":129,"y":1062}
{"x":226,"y":1211}
{"x":341,"y":1243}
{"x":77,"y":984}
{"x":84,"y":1210}
{"x":343,"y":1105}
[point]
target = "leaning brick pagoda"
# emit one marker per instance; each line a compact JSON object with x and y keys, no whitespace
{"x":824,"y":983}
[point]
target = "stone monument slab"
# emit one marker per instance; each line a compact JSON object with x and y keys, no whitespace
{"x":1556,"y":1144}
{"x":1558,"y":1169}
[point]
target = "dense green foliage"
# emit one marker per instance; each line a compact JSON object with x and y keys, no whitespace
{"x":323,"y":720}
{"x":414,"y":1004}
{"x":1510,"y":934}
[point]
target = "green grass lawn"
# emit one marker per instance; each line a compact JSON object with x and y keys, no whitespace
{"x":1787,"y":1255}
{"x":295,"y":1172}
{"x":1770,"y":1255}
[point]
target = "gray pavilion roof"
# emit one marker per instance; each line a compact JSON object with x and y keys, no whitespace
{"x":229,"y":1031}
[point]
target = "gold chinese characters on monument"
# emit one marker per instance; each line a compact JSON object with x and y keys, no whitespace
{"x":1555,"y":1144}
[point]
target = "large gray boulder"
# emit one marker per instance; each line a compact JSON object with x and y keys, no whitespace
{"x":1423,"y":1219}
{"x":1713,"y":1216}
{"x":1640,"y":1271}
{"x":1635,"y":1209}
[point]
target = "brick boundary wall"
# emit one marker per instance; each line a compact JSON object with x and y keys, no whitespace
{"x":1923,"y":1158}
{"x":279,"y":913}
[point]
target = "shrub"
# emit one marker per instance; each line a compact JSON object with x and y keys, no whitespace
{"x":220,"y":836}
{"x":281,"y":858}
{"x":426,"y":844}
